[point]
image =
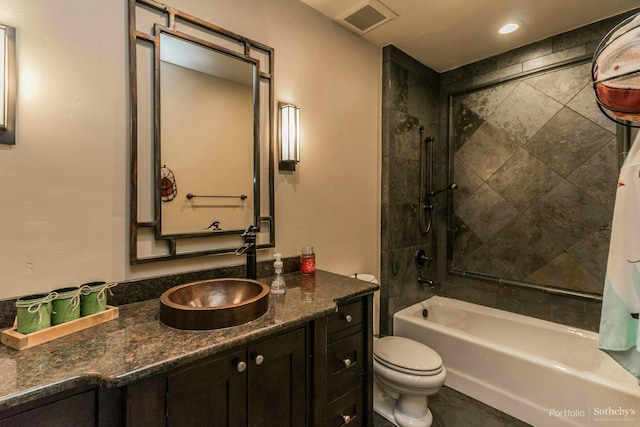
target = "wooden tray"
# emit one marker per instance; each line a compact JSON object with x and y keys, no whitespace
{"x":14,"y":339}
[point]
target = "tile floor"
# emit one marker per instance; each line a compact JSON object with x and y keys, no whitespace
{"x":453,"y":409}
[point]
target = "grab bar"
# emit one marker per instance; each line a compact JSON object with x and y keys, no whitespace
{"x":543,"y":288}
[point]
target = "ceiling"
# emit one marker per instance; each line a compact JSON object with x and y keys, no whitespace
{"x":446,"y":34}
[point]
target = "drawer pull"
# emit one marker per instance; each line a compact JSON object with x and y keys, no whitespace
{"x":347,"y":362}
{"x":348,"y":318}
{"x":241,"y":366}
{"x":348,"y":418}
{"x":259,"y":359}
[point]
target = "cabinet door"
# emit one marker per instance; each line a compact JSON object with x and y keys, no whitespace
{"x":78,"y":410}
{"x":210,"y":394}
{"x":277,"y":381}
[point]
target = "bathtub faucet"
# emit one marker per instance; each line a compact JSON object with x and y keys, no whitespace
{"x":429,"y":282}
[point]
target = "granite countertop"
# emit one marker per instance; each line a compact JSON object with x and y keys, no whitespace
{"x":137,"y":345}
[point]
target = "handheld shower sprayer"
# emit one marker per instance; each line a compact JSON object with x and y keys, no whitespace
{"x":426,"y":182}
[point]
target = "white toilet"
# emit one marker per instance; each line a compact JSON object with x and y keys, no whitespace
{"x":405,"y":372}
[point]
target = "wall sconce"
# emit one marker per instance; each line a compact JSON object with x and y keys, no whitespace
{"x":7,"y":85}
{"x":289,"y":131}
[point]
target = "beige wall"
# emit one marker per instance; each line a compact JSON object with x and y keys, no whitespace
{"x":63,"y":187}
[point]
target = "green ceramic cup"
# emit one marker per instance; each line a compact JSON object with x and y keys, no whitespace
{"x":94,"y":298}
{"x":34,"y":312}
{"x":66,"y":306}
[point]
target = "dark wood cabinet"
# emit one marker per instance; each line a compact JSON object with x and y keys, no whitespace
{"x":278,"y":381}
{"x":77,"y":408}
{"x":263,"y":384}
{"x":344,"y":366}
{"x":319,"y":375}
{"x":213,"y":393}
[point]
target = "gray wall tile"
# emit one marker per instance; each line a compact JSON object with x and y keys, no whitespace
{"x":414,"y":95}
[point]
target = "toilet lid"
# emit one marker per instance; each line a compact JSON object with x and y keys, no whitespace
{"x":407,"y":355}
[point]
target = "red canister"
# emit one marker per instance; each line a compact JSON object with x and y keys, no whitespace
{"x":307,"y":261}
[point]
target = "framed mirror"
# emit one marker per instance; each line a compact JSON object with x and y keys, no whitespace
{"x":201,"y":136}
{"x":208,"y":156}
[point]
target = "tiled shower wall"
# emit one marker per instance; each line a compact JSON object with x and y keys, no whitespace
{"x":536,"y":163}
{"x":411,"y":98}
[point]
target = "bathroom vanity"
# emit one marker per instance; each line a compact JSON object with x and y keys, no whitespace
{"x":307,"y":361}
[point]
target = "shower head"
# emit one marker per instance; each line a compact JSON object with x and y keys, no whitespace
{"x":453,"y":186}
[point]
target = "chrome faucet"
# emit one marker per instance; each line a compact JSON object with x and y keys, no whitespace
{"x":249,"y":248}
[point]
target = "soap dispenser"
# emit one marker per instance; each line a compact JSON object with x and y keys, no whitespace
{"x":278,"y":286}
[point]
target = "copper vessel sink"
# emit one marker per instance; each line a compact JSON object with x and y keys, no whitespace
{"x":213,"y":304}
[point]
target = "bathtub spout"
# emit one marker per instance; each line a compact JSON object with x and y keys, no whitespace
{"x":429,"y":282}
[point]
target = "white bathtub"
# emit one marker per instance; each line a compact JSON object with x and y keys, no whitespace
{"x":540,"y":372}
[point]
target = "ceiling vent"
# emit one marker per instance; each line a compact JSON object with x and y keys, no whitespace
{"x":365,"y":16}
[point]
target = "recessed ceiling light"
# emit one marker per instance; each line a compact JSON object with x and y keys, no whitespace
{"x":510,"y":27}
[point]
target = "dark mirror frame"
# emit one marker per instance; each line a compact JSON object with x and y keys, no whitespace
{"x":240,"y":48}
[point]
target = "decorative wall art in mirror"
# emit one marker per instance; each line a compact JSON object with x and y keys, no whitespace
{"x":202,"y":158}
{"x":7,"y":85}
{"x":536,"y":165}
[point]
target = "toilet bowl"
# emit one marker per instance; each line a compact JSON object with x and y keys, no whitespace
{"x":405,"y":372}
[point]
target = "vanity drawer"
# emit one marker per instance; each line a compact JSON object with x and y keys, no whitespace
{"x":347,"y":315}
{"x":347,"y":409}
{"x":345,"y":362}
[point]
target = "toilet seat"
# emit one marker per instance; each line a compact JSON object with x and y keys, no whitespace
{"x":407,"y":356}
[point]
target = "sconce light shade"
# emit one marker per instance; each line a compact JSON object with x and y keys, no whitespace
{"x":289,"y":131}
{"x":7,"y":85}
